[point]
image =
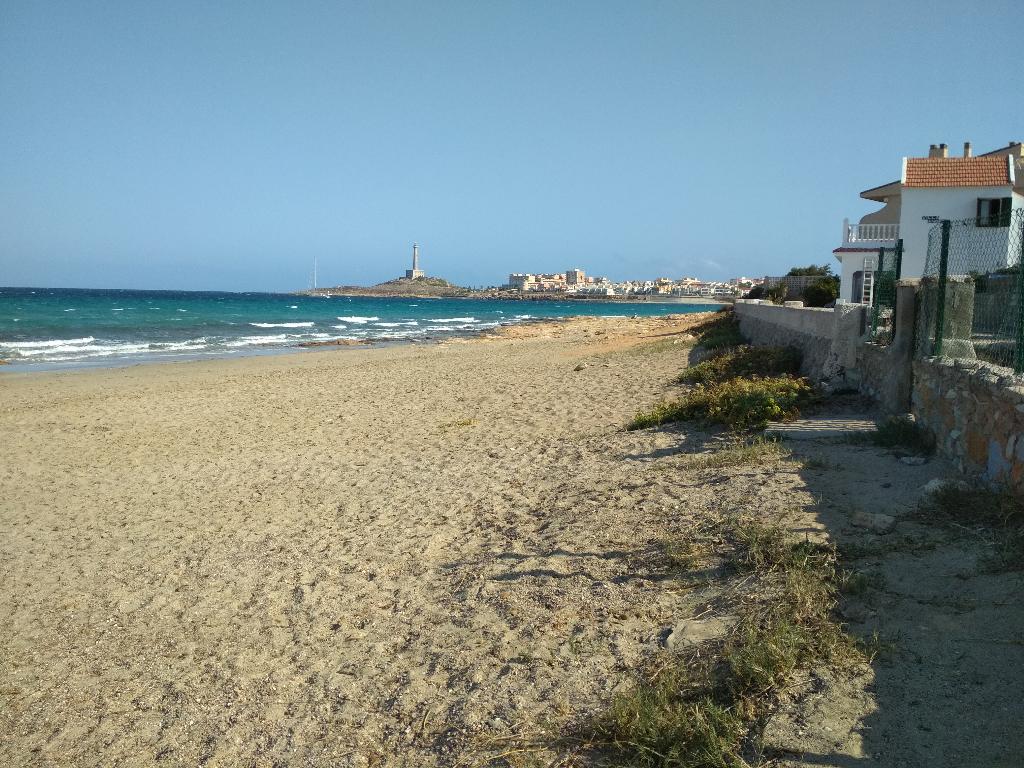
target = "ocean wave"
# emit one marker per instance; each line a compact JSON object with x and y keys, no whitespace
{"x":397,"y":324}
{"x":50,"y":343}
{"x":282,"y":325}
{"x":248,"y":341}
{"x":451,"y":327}
{"x":357,"y":319}
{"x":82,"y":352}
{"x":454,"y":320}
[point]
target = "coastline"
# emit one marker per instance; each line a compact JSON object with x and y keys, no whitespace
{"x":57,"y":329}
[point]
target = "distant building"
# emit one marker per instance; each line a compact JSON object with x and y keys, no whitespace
{"x":415,"y":272}
{"x":520,"y":281}
{"x":574,"y":277}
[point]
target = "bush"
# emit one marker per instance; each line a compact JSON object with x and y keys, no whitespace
{"x":900,"y":431}
{"x":744,"y":361}
{"x":777,"y":293}
{"x":757,"y":292}
{"x":739,"y":404}
{"x":821,"y":292}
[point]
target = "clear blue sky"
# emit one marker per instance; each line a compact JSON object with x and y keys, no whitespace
{"x":222,"y":145}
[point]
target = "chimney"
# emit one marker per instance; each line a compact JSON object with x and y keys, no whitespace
{"x":967,"y":149}
{"x":943,"y":150}
{"x":938,"y":150}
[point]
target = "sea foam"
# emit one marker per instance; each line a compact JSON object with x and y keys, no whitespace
{"x":282,"y":325}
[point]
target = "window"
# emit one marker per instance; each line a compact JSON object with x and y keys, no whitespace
{"x":994,"y":211}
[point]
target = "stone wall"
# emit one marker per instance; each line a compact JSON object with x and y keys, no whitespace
{"x":828,"y":338}
{"x":976,"y":413}
{"x":884,"y":372}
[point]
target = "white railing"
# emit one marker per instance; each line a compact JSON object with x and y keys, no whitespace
{"x":856,"y":233}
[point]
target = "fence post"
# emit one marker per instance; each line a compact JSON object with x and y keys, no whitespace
{"x":899,"y":258}
{"x":940,"y":310}
{"x":876,"y":308}
{"x":1018,"y":350}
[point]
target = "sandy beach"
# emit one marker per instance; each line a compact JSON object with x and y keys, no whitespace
{"x":325,"y":559}
{"x":418,"y":555}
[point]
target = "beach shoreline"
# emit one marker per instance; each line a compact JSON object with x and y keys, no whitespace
{"x":300,"y":557}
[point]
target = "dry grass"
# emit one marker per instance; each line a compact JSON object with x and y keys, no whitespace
{"x":703,"y":707}
{"x":998,"y":514}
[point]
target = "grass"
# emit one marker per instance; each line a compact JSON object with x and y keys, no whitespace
{"x":1001,"y":511}
{"x":900,"y":432}
{"x":699,"y":708}
{"x":661,"y":345}
{"x":740,"y":404}
{"x":744,"y":361}
{"x":720,"y":332}
{"x":459,"y":424}
{"x":756,"y":451}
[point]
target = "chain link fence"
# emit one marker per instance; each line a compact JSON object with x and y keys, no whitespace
{"x":970,"y":305}
{"x":883,"y":292}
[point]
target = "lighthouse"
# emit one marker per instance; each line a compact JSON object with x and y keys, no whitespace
{"x":412,"y":274}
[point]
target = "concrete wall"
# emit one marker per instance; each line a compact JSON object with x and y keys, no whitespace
{"x":828,"y":338}
{"x":974,"y":410}
{"x":976,"y":413}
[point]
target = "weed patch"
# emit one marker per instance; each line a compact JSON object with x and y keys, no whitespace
{"x":700,"y":707}
{"x":757,"y":451}
{"x":900,"y":432}
{"x":740,"y":404}
{"x":720,"y":332}
{"x":1000,"y":511}
{"x":744,"y":361}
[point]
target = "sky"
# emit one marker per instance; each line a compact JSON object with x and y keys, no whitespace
{"x":224,"y":146}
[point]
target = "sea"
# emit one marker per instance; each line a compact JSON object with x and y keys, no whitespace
{"x":47,"y":328}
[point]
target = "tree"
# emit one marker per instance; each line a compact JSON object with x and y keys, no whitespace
{"x":814,"y":270}
{"x":822,"y":292}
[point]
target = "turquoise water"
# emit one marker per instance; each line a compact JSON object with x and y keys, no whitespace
{"x":49,"y":327}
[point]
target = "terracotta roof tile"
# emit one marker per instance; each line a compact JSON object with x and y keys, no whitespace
{"x":957,"y":172}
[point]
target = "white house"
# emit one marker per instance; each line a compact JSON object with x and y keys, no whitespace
{"x":984,"y":188}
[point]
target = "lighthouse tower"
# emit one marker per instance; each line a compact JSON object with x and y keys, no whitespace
{"x":412,"y":274}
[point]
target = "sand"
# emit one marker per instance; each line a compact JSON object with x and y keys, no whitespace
{"x":326,"y":558}
{"x":405,"y":556}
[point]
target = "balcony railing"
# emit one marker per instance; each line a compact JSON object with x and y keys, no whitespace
{"x":858,"y":233}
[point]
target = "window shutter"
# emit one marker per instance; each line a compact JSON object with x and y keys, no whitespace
{"x":1004,"y":211}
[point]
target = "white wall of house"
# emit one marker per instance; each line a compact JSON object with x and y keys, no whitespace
{"x":851,"y":263}
{"x":945,"y":203}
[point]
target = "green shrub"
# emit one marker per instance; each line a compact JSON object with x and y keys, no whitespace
{"x":901,"y":431}
{"x":821,"y":292}
{"x":664,"y":722}
{"x":776,"y":293}
{"x":738,"y":404}
{"x":744,"y":361}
